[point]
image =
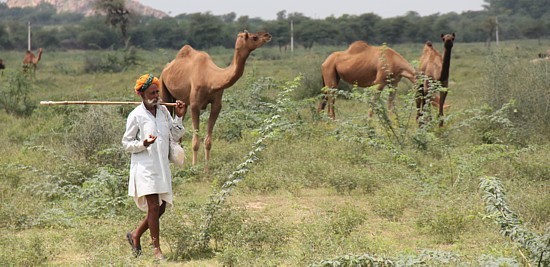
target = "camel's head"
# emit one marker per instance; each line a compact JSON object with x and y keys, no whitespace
{"x":251,"y":41}
{"x":448,"y":40}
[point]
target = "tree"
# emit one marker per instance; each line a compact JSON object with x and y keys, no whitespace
{"x":489,"y":27}
{"x":229,"y":17}
{"x":116,"y":14}
{"x":243,"y":22}
{"x":280,"y":30}
{"x":167,"y":32}
{"x":205,"y":31}
{"x":281,"y":15}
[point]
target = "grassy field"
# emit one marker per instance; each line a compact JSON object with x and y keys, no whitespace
{"x":286,"y":186}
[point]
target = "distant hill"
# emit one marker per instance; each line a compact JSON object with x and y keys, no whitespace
{"x":85,"y":6}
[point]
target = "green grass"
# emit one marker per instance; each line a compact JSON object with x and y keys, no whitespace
{"x":318,"y":191}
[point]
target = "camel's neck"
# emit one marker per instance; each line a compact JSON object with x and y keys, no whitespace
{"x":36,"y":59}
{"x":445,"y":69}
{"x":234,"y":71}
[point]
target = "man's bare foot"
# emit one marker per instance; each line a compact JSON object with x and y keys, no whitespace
{"x":158,"y":254}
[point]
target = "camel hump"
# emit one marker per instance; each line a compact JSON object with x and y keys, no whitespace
{"x":185,"y":51}
{"x":357,"y":47}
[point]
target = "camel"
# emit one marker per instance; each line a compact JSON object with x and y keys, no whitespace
{"x":195,"y":79}
{"x":31,"y":61}
{"x":2,"y":66}
{"x":436,"y":67}
{"x":542,"y":57}
{"x":365,"y":66}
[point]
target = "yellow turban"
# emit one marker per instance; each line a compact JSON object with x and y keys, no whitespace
{"x":145,"y":81}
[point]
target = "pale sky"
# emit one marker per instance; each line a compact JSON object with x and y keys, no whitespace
{"x":315,"y":9}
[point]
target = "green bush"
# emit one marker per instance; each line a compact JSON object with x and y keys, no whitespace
{"x":447,"y":223}
{"x":117,"y":61}
{"x":344,"y":221}
{"x":15,"y":94}
{"x":94,"y":129}
{"x":390,"y":202}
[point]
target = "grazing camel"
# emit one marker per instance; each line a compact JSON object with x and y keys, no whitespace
{"x":436,"y":67}
{"x":30,"y":61}
{"x":542,"y":57}
{"x":364,"y":65}
{"x":196,"y":80}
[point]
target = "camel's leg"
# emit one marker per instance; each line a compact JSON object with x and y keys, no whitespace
{"x":330,"y":109}
{"x":214,"y":112}
{"x":327,"y":102}
{"x":323,"y":103}
{"x":376,"y":96}
{"x":195,"y":116}
{"x":442,"y":96}
{"x":391,"y":98}
{"x":421,"y":100}
{"x":393,"y":93}
{"x":330,"y":81}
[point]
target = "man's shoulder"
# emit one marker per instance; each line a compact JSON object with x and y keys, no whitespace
{"x":137,"y":111}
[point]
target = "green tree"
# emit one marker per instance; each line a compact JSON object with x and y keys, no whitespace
{"x":46,"y":38}
{"x":206,"y":30}
{"x":243,"y":22}
{"x":4,"y":37}
{"x":280,"y":30}
{"x":117,"y":15}
{"x":93,"y":34}
{"x":168,"y":32}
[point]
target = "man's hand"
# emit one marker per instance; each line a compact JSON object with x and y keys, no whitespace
{"x":181,"y":108}
{"x":149,"y":140}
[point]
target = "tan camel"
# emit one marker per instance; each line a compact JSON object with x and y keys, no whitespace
{"x":365,"y":66}
{"x":436,"y":67}
{"x":2,"y":67}
{"x":30,"y":61}
{"x":542,"y":57}
{"x":196,"y":80}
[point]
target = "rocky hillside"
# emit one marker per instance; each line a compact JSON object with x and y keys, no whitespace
{"x":85,"y":6}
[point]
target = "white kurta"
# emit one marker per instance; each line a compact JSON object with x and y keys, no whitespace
{"x":150,"y":167}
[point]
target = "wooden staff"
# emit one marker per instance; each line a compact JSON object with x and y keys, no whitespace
{"x":52,"y":103}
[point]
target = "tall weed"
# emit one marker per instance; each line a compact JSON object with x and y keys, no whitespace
{"x":510,"y":79}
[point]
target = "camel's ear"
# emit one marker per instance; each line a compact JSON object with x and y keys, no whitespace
{"x":442,"y":35}
{"x":245,"y":34}
{"x":454,"y":35}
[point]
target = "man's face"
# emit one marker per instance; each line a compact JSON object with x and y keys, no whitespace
{"x":151,"y":96}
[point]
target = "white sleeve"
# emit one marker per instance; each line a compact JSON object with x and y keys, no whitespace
{"x":130,"y":140}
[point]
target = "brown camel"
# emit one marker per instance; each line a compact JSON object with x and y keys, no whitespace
{"x":542,"y":57}
{"x":196,"y":80}
{"x":436,"y":67}
{"x":30,"y":61}
{"x":2,"y":67}
{"x":365,"y":66}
